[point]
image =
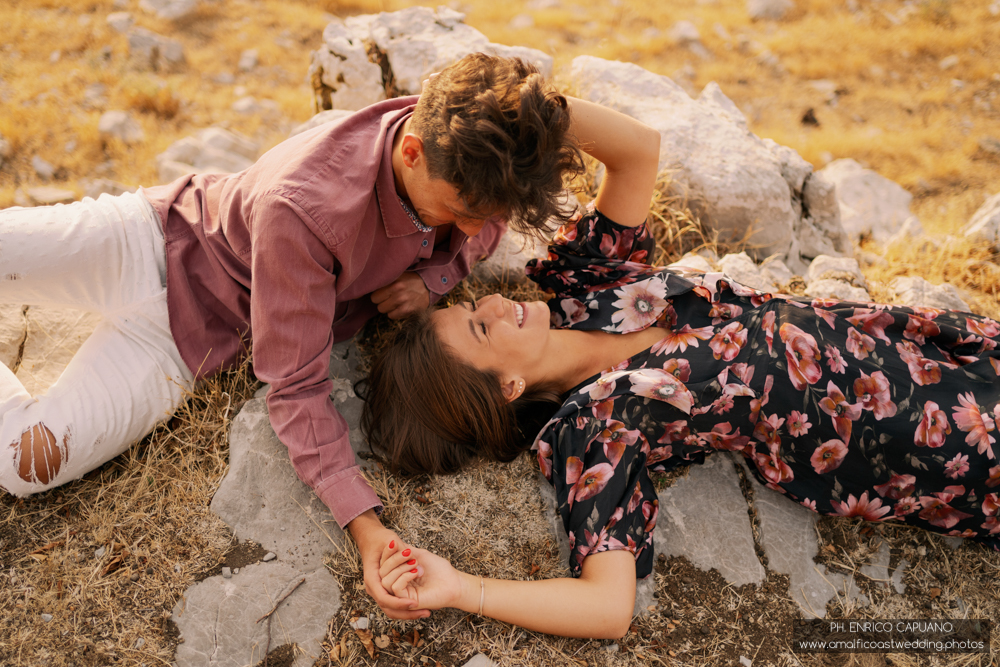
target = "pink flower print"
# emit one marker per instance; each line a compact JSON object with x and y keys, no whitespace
{"x":827,"y":316}
{"x":565,"y":233}
{"x":576,"y":312}
{"x":675,"y":432}
{"x":983,"y":327}
{"x":802,"y":355}
{"x":679,"y":368}
{"x":967,"y":533}
{"x":591,"y":482}
{"x":834,"y":359}
{"x":768,"y":326}
{"x":977,"y":425}
{"x":758,"y":403}
{"x":722,"y":437}
{"x":917,"y":328}
{"x":811,"y":504}
{"x":774,"y":470}
{"x":603,"y":409}
{"x":603,"y":387}
{"x":859,"y":344}
{"x":824,"y":303}
{"x":609,"y":245}
{"x":767,"y":430}
{"x":722,"y":404}
{"x":938,"y":512}
{"x":862,"y":507}
{"x":923,"y":371}
{"x":828,"y":456}
{"x":615,"y":431}
{"x":995,"y":363}
{"x":872,"y":322}
{"x":659,"y":454}
{"x":743,"y":371}
{"x":873,"y":394}
{"x":668,"y":318}
{"x":994,"y":478}
{"x":658,"y":384}
{"x":634,"y":501}
{"x":957,"y":467}
{"x":798,"y":424}
{"x":638,"y":305}
{"x":927,"y":313}
{"x":724,"y":311}
{"x":843,"y":413}
{"x":898,"y":486}
{"x":727,"y":343}
{"x":681,"y":339}
{"x":933,"y":427}
{"x":650,"y":510}
{"x":991,"y":524}
{"x":545,"y":458}
{"x":991,"y":503}
{"x":905,"y":506}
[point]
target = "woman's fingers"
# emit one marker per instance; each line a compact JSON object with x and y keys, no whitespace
{"x":394,"y":546}
{"x":393,"y":560}
{"x":406,"y":572}
{"x":402,"y":586}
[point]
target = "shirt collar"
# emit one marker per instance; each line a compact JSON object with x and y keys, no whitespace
{"x":398,"y":218}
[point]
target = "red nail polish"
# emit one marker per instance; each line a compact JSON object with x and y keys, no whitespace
{"x":413,"y":571}
{"x":412,"y":561}
{"x":392,"y":544}
{"x":406,"y":552}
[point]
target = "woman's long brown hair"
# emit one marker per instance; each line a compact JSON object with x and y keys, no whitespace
{"x":427,"y":412}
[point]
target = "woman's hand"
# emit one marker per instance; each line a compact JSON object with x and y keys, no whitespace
{"x":425,"y":578}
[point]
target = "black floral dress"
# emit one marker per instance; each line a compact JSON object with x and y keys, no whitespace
{"x":851,"y":409}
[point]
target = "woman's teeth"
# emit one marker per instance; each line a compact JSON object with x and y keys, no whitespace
{"x":519,"y":313}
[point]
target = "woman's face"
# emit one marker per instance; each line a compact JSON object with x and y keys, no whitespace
{"x":497,"y":334}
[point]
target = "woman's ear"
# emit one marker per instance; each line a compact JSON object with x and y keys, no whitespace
{"x":512,"y":388}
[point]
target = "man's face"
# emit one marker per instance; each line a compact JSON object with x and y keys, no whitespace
{"x":437,"y":202}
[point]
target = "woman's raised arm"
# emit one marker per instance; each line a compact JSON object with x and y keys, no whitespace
{"x":597,"y":605}
{"x":630,"y":153}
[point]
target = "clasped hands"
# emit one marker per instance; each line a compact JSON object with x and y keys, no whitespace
{"x":426,"y":580}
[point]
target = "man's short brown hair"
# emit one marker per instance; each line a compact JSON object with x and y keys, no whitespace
{"x":497,"y":132}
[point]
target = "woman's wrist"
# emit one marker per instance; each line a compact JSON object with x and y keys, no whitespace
{"x":470,"y":593}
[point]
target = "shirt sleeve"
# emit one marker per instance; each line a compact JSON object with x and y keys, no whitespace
{"x":292,"y":301}
{"x":592,"y":253}
{"x":441,"y":272}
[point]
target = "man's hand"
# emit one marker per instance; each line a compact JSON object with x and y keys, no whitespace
{"x":372,"y":538}
{"x":404,"y":296}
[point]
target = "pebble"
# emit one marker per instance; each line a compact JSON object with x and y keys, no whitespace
{"x":139,"y":643}
{"x":100,"y":552}
{"x":46,"y":617}
{"x":44,"y":170}
{"x":745,"y":661}
{"x":610,"y":648}
{"x":227,"y":573}
{"x":236,"y":570}
{"x":921,"y":550}
{"x":134,"y":576}
{"x":269,"y":556}
{"x":177,"y":568}
{"x":687,"y":580}
{"x":360,"y":624}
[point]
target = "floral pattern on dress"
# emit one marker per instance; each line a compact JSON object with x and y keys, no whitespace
{"x":883,"y":412}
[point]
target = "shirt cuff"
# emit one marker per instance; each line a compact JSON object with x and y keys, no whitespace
{"x":348,"y":495}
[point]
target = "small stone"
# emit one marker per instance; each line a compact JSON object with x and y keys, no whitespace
{"x":269,"y":556}
{"x":687,"y":580}
{"x":177,"y":568}
{"x":149,"y":570}
{"x":139,"y":643}
{"x":248,"y":60}
{"x":227,"y":573}
{"x":948,"y":63}
{"x":120,"y":21}
{"x":44,"y":169}
{"x":521,"y":22}
{"x":134,"y":577}
{"x":55,"y":56}
{"x":46,"y":195}
{"x":990,"y":145}
{"x":100,"y":552}
{"x":225,"y":78}
{"x":360,"y":624}
{"x":610,"y":648}
{"x":921,"y":551}
{"x":236,"y":570}
{"x":745,"y":661}
{"x":47,"y":617}
{"x":120,"y":125}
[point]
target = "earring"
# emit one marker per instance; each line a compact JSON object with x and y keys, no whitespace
{"x":520,"y":387}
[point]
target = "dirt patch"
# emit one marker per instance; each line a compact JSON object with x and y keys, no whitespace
{"x":237,"y":556}
{"x":283,"y":656}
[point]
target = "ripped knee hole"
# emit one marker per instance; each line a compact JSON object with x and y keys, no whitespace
{"x":40,"y":454}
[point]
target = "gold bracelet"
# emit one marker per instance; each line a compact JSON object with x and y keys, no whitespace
{"x":482,"y":594}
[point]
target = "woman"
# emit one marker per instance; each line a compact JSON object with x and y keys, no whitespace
{"x":851,"y":409}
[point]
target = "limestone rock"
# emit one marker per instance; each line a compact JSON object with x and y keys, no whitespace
{"x":147,"y":50}
{"x":120,"y":21}
{"x":694,"y":262}
{"x":869,"y":203}
{"x":210,"y":150}
{"x":169,"y":9}
{"x":96,"y":188}
{"x":321,"y":118}
{"x":506,"y":265}
{"x":45,"y":195}
{"x":846,"y":269}
{"x":836,"y":289}
{"x":120,"y":125}
{"x":342,"y":74}
{"x":53,"y":337}
{"x":43,"y":169}
{"x":777,"y":272}
{"x":480,"y":660}
{"x":248,"y":60}
{"x":703,"y":517}
{"x":739,"y":184}
{"x":768,"y":9}
{"x":217,"y":617}
{"x":915,"y":291}
{"x":251,"y":105}
{"x":985,"y":223}
{"x":745,"y":271}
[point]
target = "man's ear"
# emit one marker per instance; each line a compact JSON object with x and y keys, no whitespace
{"x":512,"y":388}
{"x":412,"y":149}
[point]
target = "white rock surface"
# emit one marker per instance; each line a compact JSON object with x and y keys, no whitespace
{"x":777,"y":272}
{"x":250,"y":105}
{"x":915,"y":291}
{"x":120,"y":125}
{"x":321,"y":118}
{"x":97,"y":187}
{"x":837,"y":268}
{"x":480,"y":660}
{"x":45,"y":195}
{"x":342,"y":65}
{"x":211,"y":150}
{"x":248,"y":60}
{"x":43,"y":169}
{"x":506,"y":265}
{"x":985,"y":222}
{"x":147,"y":50}
{"x":695,"y":262}
{"x":869,"y":203}
{"x":120,"y":21}
{"x":745,"y":271}
{"x":836,"y":289}
{"x":169,"y":9}
{"x":768,"y":9}
{"x":735,"y":180}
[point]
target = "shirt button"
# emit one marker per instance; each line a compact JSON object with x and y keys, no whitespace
{"x":444,"y":279}
{"x":424,"y":243}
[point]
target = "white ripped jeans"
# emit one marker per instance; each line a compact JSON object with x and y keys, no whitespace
{"x":105,"y":256}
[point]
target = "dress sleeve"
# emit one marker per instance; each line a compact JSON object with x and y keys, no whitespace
{"x":592,"y":253}
{"x":605,"y":497}
{"x":292,"y":303}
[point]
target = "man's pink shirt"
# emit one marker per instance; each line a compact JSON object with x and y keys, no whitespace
{"x":284,"y":256}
